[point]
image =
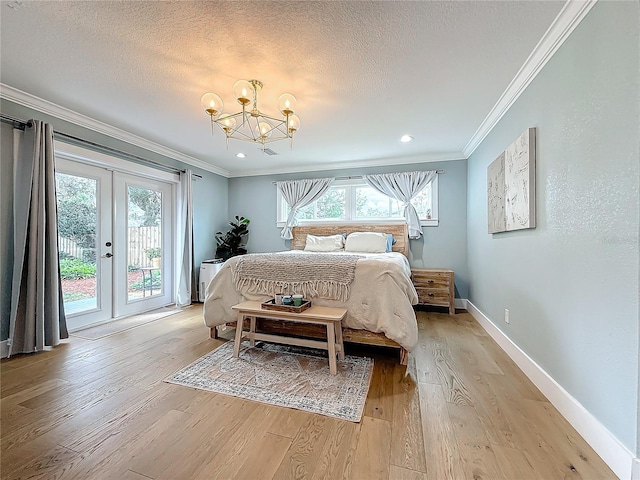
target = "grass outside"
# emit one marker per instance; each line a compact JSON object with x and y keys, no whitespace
{"x":79,"y":289}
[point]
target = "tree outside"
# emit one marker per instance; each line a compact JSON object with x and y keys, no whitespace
{"x":145,"y":207}
{"x":77,"y":212}
{"x":330,"y":206}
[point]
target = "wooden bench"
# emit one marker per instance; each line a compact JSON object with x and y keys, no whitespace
{"x":327,"y":316}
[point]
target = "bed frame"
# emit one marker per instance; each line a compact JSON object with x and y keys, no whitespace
{"x":363,"y":337}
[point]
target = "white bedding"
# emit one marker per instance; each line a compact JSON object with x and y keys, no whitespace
{"x":381,"y":300}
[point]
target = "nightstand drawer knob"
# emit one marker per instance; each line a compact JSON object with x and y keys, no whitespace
{"x":429,"y":281}
{"x":430,"y":294}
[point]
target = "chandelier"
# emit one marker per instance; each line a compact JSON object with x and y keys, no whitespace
{"x":250,"y":124}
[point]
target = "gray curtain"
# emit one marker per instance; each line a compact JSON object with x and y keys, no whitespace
{"x":298,"y":194}
{"x":403,"y":187}
{"x":185,"y":278}
{"x":37,"y":309}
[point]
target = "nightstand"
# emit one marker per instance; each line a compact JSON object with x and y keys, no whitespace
{"x":435,"y":287}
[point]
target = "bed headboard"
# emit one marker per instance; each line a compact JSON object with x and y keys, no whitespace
{"x":399,"y":230}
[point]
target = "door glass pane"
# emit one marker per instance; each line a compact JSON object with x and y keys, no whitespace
{"x":144,"y":242}
{"x":77,"y":222}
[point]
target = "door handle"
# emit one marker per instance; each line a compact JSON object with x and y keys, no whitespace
{"x":107,"y":255}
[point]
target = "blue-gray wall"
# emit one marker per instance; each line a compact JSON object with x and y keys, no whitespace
{"x":443,"y":246}
{"x":210,"y":195}
{"x":571,"y":284}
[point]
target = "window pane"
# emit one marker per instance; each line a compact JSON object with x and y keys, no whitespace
{"x":423,"y":203}
{"x":396,"y":208}
{"x":331,"y":204}
{"x":305,"y":213}
{"x":77,"y":221}
{"x":372,"y":204}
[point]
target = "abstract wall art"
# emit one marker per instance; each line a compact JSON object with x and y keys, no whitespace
{"x":511,"y":186}
{"x":495,"y":195}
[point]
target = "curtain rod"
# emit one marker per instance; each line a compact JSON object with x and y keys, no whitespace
{"x":21,"y":124}
{"x":16,"y":122}
{"x":356,"y":177}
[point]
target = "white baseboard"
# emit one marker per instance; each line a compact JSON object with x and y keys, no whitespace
{"x":618,"y":457}
{"x":4,"y":349}
{"x":461,"y":303}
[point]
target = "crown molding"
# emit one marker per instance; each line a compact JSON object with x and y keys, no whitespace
{"x":316,"y":167}
{"x":567,"y":20}
{"x":31,"y":101}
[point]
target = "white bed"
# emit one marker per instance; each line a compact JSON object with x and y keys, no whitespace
{"x":381,"y":295}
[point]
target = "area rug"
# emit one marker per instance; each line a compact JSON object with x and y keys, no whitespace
{"x":117,"y":326}
{"x":285,"y":376}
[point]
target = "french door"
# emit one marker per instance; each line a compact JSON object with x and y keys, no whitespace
{"x":115,"y":239}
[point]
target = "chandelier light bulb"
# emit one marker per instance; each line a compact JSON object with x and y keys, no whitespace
{"x":227,"y":122}
{"x":287,"y":104}
{"x":212,"y":104}
{"x":243,"y":91}
{"x":294,"y":124}
{"x":264,"y":130}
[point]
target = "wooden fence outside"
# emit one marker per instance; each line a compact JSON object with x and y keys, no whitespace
{"x":141,"y":239}
{"x":71,"y":248}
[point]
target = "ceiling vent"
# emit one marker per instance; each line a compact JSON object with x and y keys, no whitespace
{"x":268,"y":151}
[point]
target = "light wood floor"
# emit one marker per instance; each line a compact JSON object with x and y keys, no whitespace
{"x":461,"y":409}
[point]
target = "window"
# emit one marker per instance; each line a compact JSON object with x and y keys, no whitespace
{"x":355,"y":201}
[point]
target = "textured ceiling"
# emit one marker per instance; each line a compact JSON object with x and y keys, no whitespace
{"x":364,"y":73}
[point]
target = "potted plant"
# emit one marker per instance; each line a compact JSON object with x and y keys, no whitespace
{"x":233,"y":243}
{"x":155,"y":255}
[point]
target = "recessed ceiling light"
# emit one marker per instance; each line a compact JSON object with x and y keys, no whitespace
{"x":406,"y":138}
{"x":240,"y":155}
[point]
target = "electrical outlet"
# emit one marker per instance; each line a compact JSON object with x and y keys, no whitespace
{"x":506,"y":315}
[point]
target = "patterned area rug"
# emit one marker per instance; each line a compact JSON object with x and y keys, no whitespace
{"x":117,"y":326}
{"x":284,"y":376}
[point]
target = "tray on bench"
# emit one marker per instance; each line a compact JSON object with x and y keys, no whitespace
{"x":271,"y":305}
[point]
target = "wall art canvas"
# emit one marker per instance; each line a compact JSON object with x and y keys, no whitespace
{"x":495,"y":194}
{"x":511,"y":186}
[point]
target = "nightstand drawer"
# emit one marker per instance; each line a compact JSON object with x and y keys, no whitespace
{"x":430,"y":280}
{"x":433,"y":296}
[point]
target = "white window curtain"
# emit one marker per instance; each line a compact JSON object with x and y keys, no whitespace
{"x":37,"y":308}
{"x":185,"y":279}
{"x":403,"y":187}
{"x":298,"y":194}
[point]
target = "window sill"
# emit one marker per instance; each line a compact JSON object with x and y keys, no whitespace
{"x":432,"y":222}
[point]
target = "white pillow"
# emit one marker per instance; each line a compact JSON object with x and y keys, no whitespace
{"x":366,"y":242}
{"x":331,"y":243}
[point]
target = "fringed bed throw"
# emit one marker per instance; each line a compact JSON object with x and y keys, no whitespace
{"x":324,"y":276}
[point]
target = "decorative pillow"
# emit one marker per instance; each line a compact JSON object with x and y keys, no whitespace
{"x":366,"y":242}
{"x":331,"y":243}
{"x":391,"y":241}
